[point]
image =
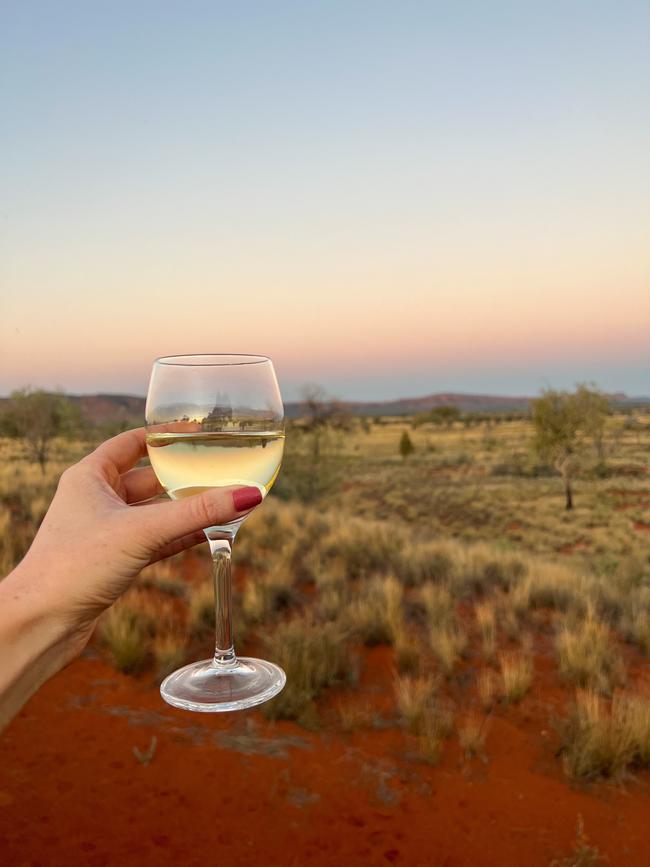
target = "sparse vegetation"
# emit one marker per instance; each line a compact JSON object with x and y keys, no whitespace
{"x":458,"y":568}
{"x":587,"y":656}
{"x":313,"y":655}
{"x":123,"y":632}
{"x":516,"y":675}
{"x":471,"y":735}
{"x":583,"y":854}
{"x":606,"y":739}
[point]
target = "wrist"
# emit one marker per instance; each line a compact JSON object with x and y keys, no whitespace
{"x":36,"y":643}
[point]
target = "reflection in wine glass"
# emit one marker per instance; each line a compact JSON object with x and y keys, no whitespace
{"x":217,"y":420}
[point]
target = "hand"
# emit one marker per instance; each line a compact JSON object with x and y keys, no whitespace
{"x":100,"y":531}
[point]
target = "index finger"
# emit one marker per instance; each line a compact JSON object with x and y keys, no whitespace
{"x":123,"y":450}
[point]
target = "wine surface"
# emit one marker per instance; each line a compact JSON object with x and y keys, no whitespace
{"x":188,"y":463}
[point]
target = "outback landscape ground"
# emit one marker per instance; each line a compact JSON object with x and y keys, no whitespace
{"x":466,"y":660}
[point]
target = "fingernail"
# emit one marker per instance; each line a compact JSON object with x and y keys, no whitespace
{"x":246,"y":498}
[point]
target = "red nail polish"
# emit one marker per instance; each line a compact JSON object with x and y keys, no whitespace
{"x":246,"y":498}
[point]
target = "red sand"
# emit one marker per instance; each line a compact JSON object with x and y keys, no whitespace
{"x":234,"y":789}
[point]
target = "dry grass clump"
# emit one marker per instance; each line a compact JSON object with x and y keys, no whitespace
{"x":438,"y":604}
{"x":483,"y":567}
{"x":415,"y":698}
{"x":408,"y":653}
{"x":6,"y":546}
{"x":519,"y":597}
{"x":583,"y":854}
{"x":162,"y":576}
{"x":471,"y":735}
{"x":587,"y":656}
{"x":377,"y":616}
{"x":603,"y":739}
{"x":516,"y":675}
{"x":353,"y":715}
{"x":313,"y":655}
{"x":555,"y":586}
{"x":428,"y":561}
{"x":486,"y":619}
{"x":128,"y":627}
{"x":367,"y":547}
{"x":447,"y":643}
{"x":635,"y":622}
{"x":125,"y":636}
{"x":424,"y":714}
{"x":169,"y":652}
{"x":269,"y":591}
{"x":486,"y":683}
{"x":200,"y":612}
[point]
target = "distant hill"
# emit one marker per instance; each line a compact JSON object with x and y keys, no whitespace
{"x":411,"y":405}
{"x":99,"y":409}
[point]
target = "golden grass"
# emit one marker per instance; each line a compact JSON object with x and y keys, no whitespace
{"x":606,"y":739}
{"x":313,"y":655}
{"x":376,"y":615}
{"x":588,"y":657}
{"x":415,"y":699}
{"x":486,"y":619}
{"x":125,"y":636}
{"x":169,"y":652}
{"x":438,"y":604}
{"x":200,"y":614}
{"x":408,"y":653}
{"x":471,"y":735}
{"x":375,"y":561}
{"x":487,"y":686}
{"x":516,"y":675}
{"x":423,"y":714}
{"x":447,"y":643}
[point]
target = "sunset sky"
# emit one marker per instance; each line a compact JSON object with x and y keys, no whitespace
{"x":388,"y":198}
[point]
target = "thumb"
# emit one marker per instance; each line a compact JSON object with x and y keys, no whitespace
{"x":167,"y":522}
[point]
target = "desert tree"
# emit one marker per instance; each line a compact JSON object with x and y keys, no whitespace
{"x":593,"y":409}
{"x":406,"y":446}
{"x":563,"y":423}
{"x":313,"y":468}
{"x":37,"y":418}
{"x":446,"y":415}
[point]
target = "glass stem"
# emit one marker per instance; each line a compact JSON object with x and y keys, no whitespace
{"x":224,"y":653}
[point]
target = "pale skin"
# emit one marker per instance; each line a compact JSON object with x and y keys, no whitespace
{"x":100,"y":531}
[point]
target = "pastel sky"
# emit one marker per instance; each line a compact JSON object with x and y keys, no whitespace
{"x":388,"y":198}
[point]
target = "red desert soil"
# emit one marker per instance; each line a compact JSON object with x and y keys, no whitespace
{"x":233,"y":790}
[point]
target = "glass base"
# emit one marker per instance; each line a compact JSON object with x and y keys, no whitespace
{"x":208,"y":687}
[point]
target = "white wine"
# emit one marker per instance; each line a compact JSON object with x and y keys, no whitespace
{"x":188,"y":463}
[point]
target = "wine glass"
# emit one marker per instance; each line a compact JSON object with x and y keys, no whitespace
{"x":217,"y":420}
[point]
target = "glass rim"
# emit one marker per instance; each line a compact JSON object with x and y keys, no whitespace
{"x":216,"y":359}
